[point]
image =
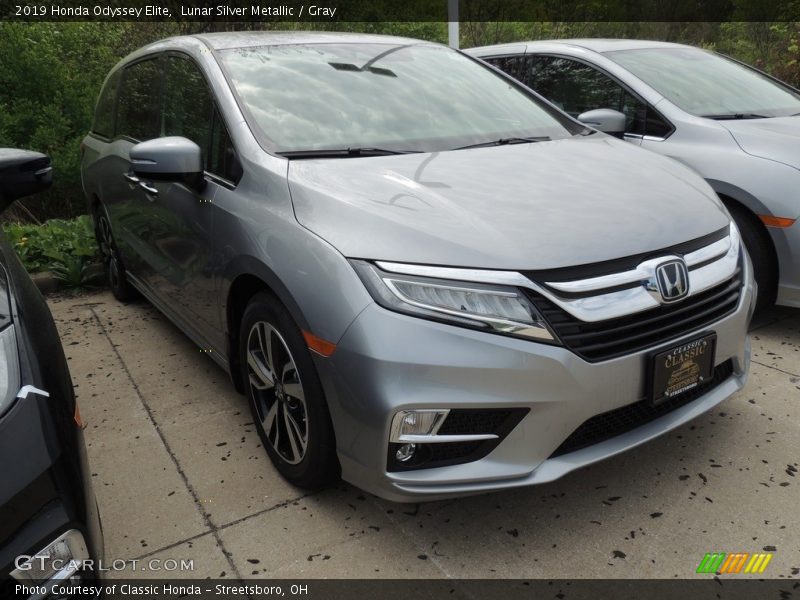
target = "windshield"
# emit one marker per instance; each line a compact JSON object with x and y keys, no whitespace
{"x":416,"y":97}
{"x":707,"y":84}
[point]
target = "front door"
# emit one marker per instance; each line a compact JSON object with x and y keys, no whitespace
{"x":180,"y":217}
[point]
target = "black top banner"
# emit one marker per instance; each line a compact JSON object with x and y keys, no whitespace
{"x":242,"y":11}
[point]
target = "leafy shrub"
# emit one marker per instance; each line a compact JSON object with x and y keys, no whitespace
{"x":67,"y":248}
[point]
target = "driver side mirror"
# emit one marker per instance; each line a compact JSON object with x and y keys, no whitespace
{"x":23,"y":173}
{"x":172,"y":158}
{"x":606,"y":120}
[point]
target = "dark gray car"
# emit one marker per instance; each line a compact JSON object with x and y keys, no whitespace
{"x":423,"y":276}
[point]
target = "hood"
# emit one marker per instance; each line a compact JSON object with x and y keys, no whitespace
{"x":775,"y":139}
{"x":524,"y":206}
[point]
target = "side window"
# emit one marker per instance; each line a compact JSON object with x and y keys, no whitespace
{"x":655,"y":125}
{"x":189,"y":111}
{"x":104,"y":112}
{"x":576,"y":88}
{"x":222,"y":158}
{"x":508,"y":64}
{"x":138,"y":110}
{"x":187,"y":102}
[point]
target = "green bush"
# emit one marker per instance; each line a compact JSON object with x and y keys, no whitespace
{"x":67,"y":248}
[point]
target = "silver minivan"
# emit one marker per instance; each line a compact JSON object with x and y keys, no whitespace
{"x":425,"y":279}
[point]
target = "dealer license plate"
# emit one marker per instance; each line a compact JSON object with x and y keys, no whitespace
{"x":682,"y":368}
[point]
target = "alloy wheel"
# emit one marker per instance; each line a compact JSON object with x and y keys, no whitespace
{"x":278,"y":392}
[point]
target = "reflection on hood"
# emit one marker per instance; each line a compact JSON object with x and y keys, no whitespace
{"x":524,"y":206}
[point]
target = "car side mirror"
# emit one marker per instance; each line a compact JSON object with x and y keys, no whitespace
{"x":23,"y":173}
{"x":607,"y":120}
{"x":172,"y":158}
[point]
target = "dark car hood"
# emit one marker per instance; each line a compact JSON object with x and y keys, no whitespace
{"x":524,"y":206}
{"x":776,"y":139}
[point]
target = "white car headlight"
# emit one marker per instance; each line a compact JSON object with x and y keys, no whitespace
{"x":58,"y":561}
{"x":495,"y":308}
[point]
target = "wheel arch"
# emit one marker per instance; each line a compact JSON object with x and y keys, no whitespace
{"x":730,"y":192}
{"x":245,"y":278}
{"x":752,"y":206}
{"x":747,"y":207}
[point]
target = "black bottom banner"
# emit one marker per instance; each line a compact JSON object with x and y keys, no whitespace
{"x":413,"y":589}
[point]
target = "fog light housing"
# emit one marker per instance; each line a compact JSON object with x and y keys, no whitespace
{"x":59,"y":560}
{"x":405,"y":452}
{"x":428,"y":438}
{"x":409,"y":423}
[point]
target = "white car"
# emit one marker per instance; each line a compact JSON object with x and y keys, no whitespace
{"x":737,"y":127}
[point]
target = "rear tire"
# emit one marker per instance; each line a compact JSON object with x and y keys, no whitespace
{"x":113,"y":266}
{"x":762,"y":254}
{"x":285,"y":395}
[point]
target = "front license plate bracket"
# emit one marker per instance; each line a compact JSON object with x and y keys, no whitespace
{"x":681,"y":368}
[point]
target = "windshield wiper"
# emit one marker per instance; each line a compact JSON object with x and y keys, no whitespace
{"x":344,"y":152}
{"x":735,"y":116}
{"x":506,"y":142}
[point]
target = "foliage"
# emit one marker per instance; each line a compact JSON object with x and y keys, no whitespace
{"x":67,"y":248}
{"x":50,"y":75}
{"x":75,"y":271}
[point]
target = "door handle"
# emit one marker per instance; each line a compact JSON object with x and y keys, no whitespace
{"x":131,"y":179}
{"x":149,"y":189}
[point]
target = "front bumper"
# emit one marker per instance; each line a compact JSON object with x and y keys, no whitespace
{"x":388,"y":362}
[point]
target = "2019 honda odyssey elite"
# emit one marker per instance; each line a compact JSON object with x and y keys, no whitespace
{"x":424,"y":277}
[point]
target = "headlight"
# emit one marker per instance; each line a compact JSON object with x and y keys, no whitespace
{"x":9,"y":356}
{"x":494,"y":308}
{"x":58,"y":561}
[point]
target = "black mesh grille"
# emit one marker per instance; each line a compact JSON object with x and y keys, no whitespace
{"x":440,"y":453}
{"x":466,"y":421}
{"x":611,"y":338}
{"x":620,"y":420}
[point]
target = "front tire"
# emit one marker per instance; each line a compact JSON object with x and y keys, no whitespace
{"x":285,"y":395}
{"x":762,"y":254}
